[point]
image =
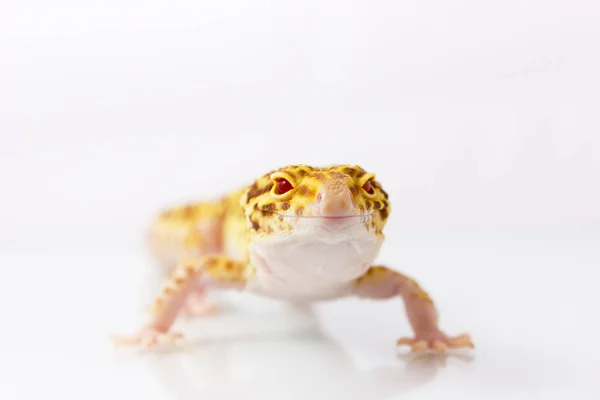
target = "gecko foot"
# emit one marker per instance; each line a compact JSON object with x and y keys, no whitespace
{"x":436,"y":340}
{"x":148,"y":337}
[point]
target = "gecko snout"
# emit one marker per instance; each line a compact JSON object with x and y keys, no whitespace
{"x":335,"y":200}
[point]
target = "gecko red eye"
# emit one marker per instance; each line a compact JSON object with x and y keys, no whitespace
{"x":368,"y":188}
{"x":283,"y":186}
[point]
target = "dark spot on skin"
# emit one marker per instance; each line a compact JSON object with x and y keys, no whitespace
{"x":229,"y":266}
{"x":269,"y":207}
{"x":377,"y":185}
{"x":299,"y":210}
{"x":285,"y":206}
{"x":188,"y":211}
{"x":361,"y":208}
{"x":281,"y":218}
{"x":211,"y":262}
{"x":360,"y":173}
{"x":256,"y":206}
{"x":302,"y":172}
{"x":354,"y":190}
{"x":349,"y":171}
{"x":384,"y":213}
{"x":302,"y":190}
{"x":255,"y":225}
{"x":256,"y":191}
{"x":377,"y":205}
{"x":319,"y":197}
{"x":253,"y":191}
{"x":369,"y":205}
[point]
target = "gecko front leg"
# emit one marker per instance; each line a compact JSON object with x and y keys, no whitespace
{"x":383,"y":283}
{"x":208,"y":272}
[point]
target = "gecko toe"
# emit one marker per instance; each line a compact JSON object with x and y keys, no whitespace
{"x":405,"y":341}
{"x":463,"y":340}
{"x":439,"y":346}
{"x":419,"y":346}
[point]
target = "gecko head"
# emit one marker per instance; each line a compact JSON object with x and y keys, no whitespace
{"x":324,"y":203}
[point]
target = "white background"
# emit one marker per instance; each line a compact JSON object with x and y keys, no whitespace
{"x":480,"y":119}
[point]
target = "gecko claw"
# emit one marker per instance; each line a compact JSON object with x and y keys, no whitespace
{"x":435,"y":341}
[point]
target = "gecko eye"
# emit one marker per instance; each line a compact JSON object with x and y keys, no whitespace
{"x":283,"y":186}
{"x":367,"y":187}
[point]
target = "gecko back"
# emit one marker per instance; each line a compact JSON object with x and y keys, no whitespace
{"x":188,"y":230}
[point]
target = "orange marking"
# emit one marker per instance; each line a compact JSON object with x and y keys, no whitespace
{"x":180,"y":280}
{"x":422,"y":295}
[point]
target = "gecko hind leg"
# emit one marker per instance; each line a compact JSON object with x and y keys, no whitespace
{"x":196,"y":303}
{"x":215,"y":271}
{"x":201,"y":241}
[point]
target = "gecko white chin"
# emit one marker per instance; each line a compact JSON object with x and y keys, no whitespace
{"x":318,"y":260}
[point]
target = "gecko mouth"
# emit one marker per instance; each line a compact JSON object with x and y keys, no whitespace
{"x":341,"y":223}
{"x":359,"y":217}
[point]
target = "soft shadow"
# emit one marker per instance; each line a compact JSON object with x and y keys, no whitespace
{"x":300,"y":364}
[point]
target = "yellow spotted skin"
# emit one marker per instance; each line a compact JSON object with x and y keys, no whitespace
{"x":228,"y":225}
{"x":217,"y":268}
{"x":378,"y":276}
{"x":265,"y":210}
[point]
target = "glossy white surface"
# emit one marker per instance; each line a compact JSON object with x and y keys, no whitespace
{"x":530,"y":304}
